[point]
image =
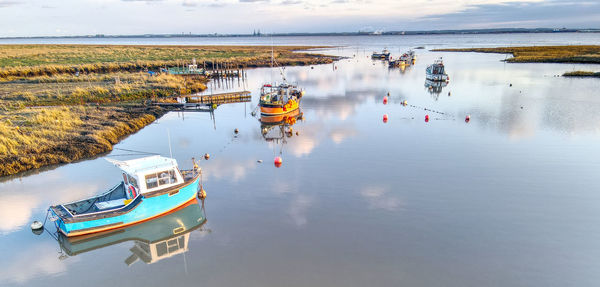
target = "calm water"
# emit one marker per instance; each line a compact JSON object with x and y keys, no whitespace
{"x":509,"y":199}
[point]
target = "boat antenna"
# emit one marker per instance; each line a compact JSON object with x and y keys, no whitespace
{"x":169,"y":136}
{"x":272,"y":57}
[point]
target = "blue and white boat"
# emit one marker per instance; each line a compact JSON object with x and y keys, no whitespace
{"x":153,"y":240}
{"x":151,"y":186}
{"x":385,"y":55}
{"x":436,"y":72}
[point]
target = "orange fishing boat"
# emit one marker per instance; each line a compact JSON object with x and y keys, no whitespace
{"x":280,"y":99}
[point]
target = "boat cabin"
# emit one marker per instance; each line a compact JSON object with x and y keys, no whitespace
{"x":437,"y":68}
{"x":278,"y":94}
{"x":148,"y":174}
{"x":140,"y":176}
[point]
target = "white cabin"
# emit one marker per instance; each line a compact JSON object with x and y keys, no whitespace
{"x":148,"y":174}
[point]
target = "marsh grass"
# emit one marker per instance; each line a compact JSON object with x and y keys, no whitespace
{"x":543,"y":54}
{"x":95,"y":88}
{"x":36,"y":137}
{"x":38,"y":60}
{"x":582,"y":74}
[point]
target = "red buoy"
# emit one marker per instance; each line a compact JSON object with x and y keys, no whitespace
{"x":426,"y":118}
{"x":278,"y":161}
{"x":385,"y":99}
{"x":467,"y":118}
{"x":385,"y":118}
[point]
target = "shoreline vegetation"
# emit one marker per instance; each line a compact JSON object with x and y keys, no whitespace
{"x":63,"y":103}
{"x":579,"y":54}
{"x":582,"y":74}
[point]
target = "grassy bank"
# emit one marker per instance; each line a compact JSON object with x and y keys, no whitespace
{"x":582,"y":74}
{"x":62,"y":103}
{"x":589,"y":54}
{"x":37,"y":60}
{"x":36,"y":137}
{"x":93,"y":89}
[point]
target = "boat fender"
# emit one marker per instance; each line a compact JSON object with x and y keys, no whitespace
{"x":36,"y":225}
{"x":202,"y":193}
{"x":132,"y":192}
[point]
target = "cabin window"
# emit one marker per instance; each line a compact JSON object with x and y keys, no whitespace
{"x":161,"y":249}
{"x":151,"y":181}
{"x":166,"y":177}
{"x":160,"y":178}
{"x":132,"y":181}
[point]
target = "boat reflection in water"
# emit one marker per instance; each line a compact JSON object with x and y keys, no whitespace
{"x":435,"y":87}
{"x":153,"y":240}
{"x":277,"y":129}
{"x":282,"y":125}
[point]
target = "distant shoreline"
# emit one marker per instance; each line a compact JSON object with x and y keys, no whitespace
{"x":300,"y":34}
{"x":573,"y":54}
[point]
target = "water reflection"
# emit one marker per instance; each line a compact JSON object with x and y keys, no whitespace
{"x":153,"y":240}
{"x":277,"y":129}
{"x":435,"y":88}
{"x":513,"y":187}
{"x":282,"y":125}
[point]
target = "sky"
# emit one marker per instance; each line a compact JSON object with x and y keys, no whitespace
{"x":125,"y":17}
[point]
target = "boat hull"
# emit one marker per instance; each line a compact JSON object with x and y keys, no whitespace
{"x":274,"y":110}
{"x":148,"y":208}
{"x":182,"y":220}
{"x":437,"y":77}
{"x":279,"y":119}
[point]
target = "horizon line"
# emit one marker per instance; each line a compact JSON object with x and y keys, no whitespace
{"x":358,"y":33}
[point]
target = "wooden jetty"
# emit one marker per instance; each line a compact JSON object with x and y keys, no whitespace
{"x":206,"y":102}
{"x":219,"y":70}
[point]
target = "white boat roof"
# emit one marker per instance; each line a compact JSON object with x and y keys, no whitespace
{"x":144,"y":164}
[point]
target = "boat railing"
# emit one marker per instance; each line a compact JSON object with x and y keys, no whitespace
{"x":189,"y":174}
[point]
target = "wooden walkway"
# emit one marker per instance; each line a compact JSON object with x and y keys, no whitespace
{"x":207,"y":101}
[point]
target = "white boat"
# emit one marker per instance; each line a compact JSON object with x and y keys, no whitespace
{"x":437,"y":72}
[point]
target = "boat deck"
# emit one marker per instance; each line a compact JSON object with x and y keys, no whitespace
{"x":111,"y":199}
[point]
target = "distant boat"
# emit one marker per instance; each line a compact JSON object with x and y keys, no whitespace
{"x":436,"y":71}
{"x":406,"y":59}
{"x":385,"y":54}
{"x":151,"y":186}
{"x":153,"y":240}
{"x":280,"y":99}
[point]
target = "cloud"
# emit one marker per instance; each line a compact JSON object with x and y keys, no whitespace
{"x":16,"y":210}
{"x":4,"y":3}
{"x":378,"y":197}
{"x":31,"y":262}
{"x":291,"y":2}
{"x":298,"y":209}
{"x":189,"y":3}
{"x":291,"y":15}
{"x":231,"y":169}
{"x":18,"y":203}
